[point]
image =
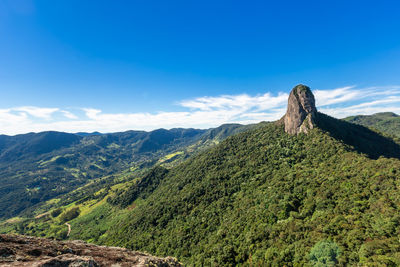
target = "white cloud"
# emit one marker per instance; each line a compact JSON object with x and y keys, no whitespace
{"x":202,"y":112}
{"x":69,"y":115}
{"x":390,"y":103}
{"x":350,"y":94}
{"x":91,"y":113}
{"x":335,"y":96}
{"x":44,"y":113}
{"x":7,"y":117}
{"x":242,"y":102}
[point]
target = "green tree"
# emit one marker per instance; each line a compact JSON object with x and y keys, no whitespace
{"x":324,"y":253}
{"x":70,"y":214}
{"x":56,"y":212}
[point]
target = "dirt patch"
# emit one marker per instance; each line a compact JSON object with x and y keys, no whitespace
{"x":17,"y":250}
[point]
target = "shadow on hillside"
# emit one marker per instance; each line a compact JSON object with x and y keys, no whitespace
{"x":361,"y":138}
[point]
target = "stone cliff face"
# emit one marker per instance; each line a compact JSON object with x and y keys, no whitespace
{"x":301,"y":110}
{"x":29,"y":251}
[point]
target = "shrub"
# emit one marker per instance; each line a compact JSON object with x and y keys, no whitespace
{"x":70,"y":214}
{"x":56,"y":212}
{"x":324,"y":253}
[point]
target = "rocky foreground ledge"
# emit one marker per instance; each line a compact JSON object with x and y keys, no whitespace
{"x":18,"y":250}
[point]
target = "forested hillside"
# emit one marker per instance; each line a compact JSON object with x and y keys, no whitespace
{"x":386,"y":122}
{"x":267,"y":197}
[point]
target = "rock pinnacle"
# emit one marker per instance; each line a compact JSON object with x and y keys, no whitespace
{"x":301,"y":110}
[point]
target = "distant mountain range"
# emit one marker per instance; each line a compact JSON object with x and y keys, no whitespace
{"x":36,"y":167}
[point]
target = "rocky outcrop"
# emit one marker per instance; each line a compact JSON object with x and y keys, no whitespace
{"x":301,"y":110}
{"x":16,"y":250}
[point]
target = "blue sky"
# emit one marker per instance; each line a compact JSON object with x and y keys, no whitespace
{"x":109,"y":66}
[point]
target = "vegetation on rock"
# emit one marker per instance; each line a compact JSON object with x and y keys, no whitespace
{"x":301,"y":110}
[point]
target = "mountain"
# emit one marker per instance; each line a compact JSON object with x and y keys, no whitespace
{"x":267,"y":197}
{"x":37,"y":167}
{"x":386,"y":122}
{"x":264,"y":196}
{"x":301,"y":110}
{"x":307,"y":190}
{"x":88,"y":134}
{"x":13,"y":148}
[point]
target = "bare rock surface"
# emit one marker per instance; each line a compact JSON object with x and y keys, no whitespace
{"x":18,"y":250}
{"x":301,"y":110}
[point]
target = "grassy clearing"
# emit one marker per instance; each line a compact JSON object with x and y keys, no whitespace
{"x":170,"y":156}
